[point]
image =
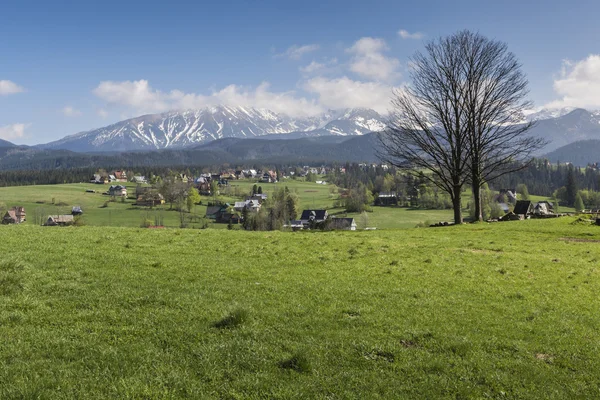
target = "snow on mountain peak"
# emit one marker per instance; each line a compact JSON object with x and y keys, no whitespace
{"x":177,"y":129}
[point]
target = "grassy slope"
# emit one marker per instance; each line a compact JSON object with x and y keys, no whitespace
{"x":473,"y":311}
{"x":310,"y":194}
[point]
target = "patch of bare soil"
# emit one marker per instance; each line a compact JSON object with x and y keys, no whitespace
{"x":579,"y":240}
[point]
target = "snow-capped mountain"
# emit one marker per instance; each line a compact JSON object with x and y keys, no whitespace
{"x":178,"y":129}
{"x":548,"y":113}
{"x":576,"y":125}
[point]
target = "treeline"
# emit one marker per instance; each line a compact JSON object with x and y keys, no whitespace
{"x":543,"y":178}
{"x":364,"y":183}
{"x":560,"y":181}
{"x":76,"y":175}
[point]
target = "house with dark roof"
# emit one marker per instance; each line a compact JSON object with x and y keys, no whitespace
{"x":217,"y":212}
{"x":312,"y":217}
{"x":523,"y":207}
{"x":76,"y":210}
{"x":117,"y":190}
{"x":386,"y":199}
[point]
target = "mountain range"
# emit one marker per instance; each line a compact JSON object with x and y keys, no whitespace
{"x":241,"y":134}
{"x":181,"y":129}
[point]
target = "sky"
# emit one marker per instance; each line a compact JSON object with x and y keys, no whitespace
{"x":67,"y":67}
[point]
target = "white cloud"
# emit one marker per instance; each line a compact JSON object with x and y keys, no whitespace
{"x":317,"y":67}
{"x":370,"y":62}
{"x":312,"y":67}
{"x":578,"y":84}
{"x":69,"y":111}
{"x":142,"y":98}
{"x":135,"y":94}
{"x":296,"y":52}
{"x":404,"y":34}
{"x":102,"y":113}
{"x":345,"y":92}
{"x":9,"y":87}
{"x":14,"y":131}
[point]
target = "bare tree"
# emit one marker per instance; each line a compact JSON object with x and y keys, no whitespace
{"x":495,"y":99}
{"x":427,"y":132}
{"x":462,"y":119}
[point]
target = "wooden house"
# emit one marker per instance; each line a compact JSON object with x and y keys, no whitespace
{"x":15,"y":215}
{"x":120,"y":176}
{"x":387,"y":199}
{"x":59,"y":220}
{"x":117,"y":191}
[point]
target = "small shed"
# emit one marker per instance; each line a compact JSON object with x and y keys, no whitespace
{"x":343,"y":224}
{"x":76,"y":210}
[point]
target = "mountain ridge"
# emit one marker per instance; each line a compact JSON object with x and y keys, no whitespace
{"x":180,"y":129}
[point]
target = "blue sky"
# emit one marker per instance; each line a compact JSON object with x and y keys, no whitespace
{"x":67,"y":67}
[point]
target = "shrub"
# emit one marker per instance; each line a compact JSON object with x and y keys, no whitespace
{"x":146,"y":223}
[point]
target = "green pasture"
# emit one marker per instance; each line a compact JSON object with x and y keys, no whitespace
{"x":504,"y":310}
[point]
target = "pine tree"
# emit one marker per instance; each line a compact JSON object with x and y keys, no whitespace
{"x":571,"y":186}
{"x":578,"y":203}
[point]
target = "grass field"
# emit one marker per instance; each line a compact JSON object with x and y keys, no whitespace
{"x":118,"y":214}
{"x":505,"y":310}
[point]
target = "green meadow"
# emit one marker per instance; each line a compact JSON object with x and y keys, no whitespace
{"x":99,"y":211}
{"x":504,"y":310}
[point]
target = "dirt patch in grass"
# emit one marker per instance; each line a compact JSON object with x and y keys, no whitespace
{"x":545,"y":357}
{"x":485,"y":251}
{"x":579,"y":240}
{"x":380,"y":355}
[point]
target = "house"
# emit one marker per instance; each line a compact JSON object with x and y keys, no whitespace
{"x":203,"y":185}
{"x":543,"y":208}
{"x":112,"y":178}
{"x":139,"y":179}
{"x":76,"y":210}
{"x":511,"y":195}
{"x":266,"y":178}
{"x":120,"y":176}
{"x":117,"y":190}
{"x":386,"y":199}
{"x":310,"y":217}
{"x":149,"y":198}
{"x":343,"y":224}
{"x":257,"y":196}
{"x":218,"y":212}
{"x":98,"y":179}
{"x":59,"y":220}
{"x":227,"y":176}
{"x":15,"y":215}
{"x":249,"y":173}
{"x":250,"y":205}
{"x":523,"y":207}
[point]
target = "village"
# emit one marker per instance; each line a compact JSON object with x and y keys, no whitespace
{"x":231,"y":198}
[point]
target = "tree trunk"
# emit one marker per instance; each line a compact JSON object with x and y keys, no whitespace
{"x":457,"y":204}
{"x":477,"y":200}
{"x":476,"y":183}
